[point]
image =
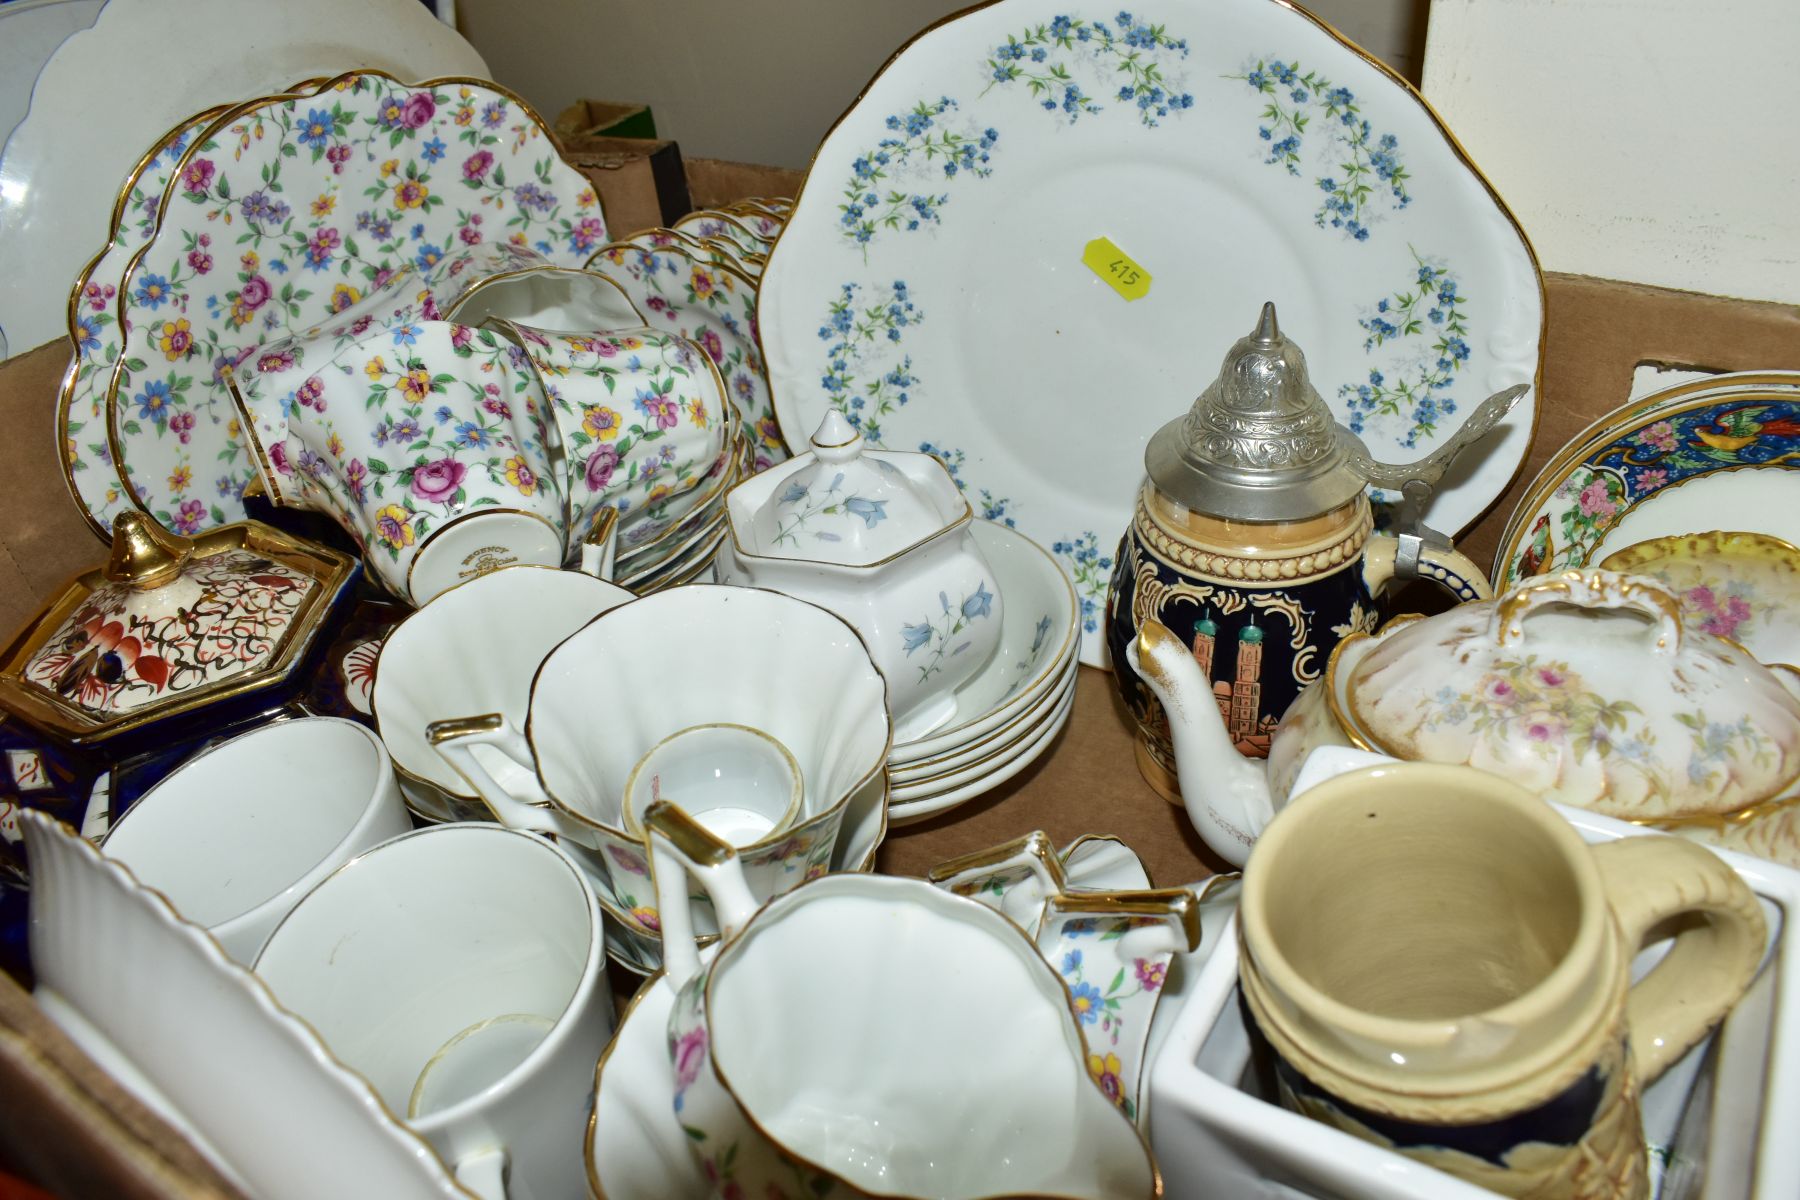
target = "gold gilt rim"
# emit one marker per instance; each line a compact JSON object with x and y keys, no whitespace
{"x":1036,"y":844}
{"x":1115,"y":839}
{"x":557,"y":535}
{"x":302,"y":91}
{"x":1627,"y":418}
{"x":1456,"y":149}
{"x":202,"y":124}
{"x":1007,"y":732}
{"x":328,"y":569}
{"x":1178,"y":907}
{"x":264,"y":996}
{"x":1762,"y":545}
{"x":1023,"y":747}
{"x":1029,"y":955}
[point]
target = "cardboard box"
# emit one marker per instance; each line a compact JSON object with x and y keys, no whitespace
{"x":1599,"y":332}
{"x":603,"y":118}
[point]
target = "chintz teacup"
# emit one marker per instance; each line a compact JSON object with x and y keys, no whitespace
{"x":642,"y":418}
{"x":461,"y":970}
{"x":235,"y":837}
{"x":845,"y":1081}
{"x":1441,"y":966}
{"x":429,"y":443}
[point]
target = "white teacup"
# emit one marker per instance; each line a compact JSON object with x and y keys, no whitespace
{"x":460,"y":969}
{"x":793,"y":1081}
{"x":739,"y":783}
{"x":237,"y":836}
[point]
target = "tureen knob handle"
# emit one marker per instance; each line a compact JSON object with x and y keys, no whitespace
{"x":836,"y":440}
{"x":1591,"y":590}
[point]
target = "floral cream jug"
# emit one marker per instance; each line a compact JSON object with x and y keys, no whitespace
{"x":1586,"y":689}
{"x":1253,"y":543}
{"x":882,"y":539}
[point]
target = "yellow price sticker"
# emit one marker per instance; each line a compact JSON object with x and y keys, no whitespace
{"x":1116,"y":269}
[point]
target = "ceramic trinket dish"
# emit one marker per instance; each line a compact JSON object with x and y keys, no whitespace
{"x":1587,"y":688}
{"x":172,"y":626}
{"x":1253,"y":542}
{"x":884,"y":540}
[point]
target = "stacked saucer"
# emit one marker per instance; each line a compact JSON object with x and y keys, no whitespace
{"x":1009,"y":713}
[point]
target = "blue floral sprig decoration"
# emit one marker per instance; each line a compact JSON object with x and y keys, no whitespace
{"x":937,"y":635}
{"x":1361,"y":165}
{"x":871,"y":203}
{"x":1126,"y":55}
{"x":1429,"y":306}
{"x":859,"y":380}
{"x":989,"y":507}
{"x":1090,"y":569}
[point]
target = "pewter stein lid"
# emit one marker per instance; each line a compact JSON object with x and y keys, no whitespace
{"x":1259,"y":443}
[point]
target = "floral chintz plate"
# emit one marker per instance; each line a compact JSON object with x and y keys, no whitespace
{"x":1715,"y":454}
{"x":292,"y":212}
{"x":1028,"y":244}
{"x":87,"y":461}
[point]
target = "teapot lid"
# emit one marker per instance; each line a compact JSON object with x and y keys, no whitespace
{"x":1588,"y":689}
{"x":1260,"y":443}
{"x":169,"y":624}
{"x":844,"y":503}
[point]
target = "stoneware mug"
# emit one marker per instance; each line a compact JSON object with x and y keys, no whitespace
{"x":235,"y":837}
{"x":795,"y":1082}
{"x":461,"y":970}
{"x":1441,"y":966}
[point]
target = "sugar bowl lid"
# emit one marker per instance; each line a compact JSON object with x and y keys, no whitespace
{"x":1260,"y":443}
{"x":1587,"y":688}
{"x":843,"y":503}
{"x":170,"y":624}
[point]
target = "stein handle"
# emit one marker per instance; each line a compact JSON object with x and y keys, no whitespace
{"x":680,"y":846}
{"x":1450,"y":569}
{"x":1649,"y":880}
{"x":454,"y":741}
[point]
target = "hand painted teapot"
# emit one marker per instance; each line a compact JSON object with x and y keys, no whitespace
{"x":1252,"y":542}
{"x":1585,"y":688}
{"x":883,"y":540}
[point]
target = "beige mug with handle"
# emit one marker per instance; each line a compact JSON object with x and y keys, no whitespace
{"x":1440,"y":965}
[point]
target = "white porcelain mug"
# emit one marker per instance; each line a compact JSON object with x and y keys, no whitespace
{"x":461,"y":970}
{"x":936,"y":1056}
{"x":235,"y":837}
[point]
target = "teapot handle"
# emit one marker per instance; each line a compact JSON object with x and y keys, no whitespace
{"x":1590,"y":589}
{"x":1450,"y":569}
{"x":680,"y":846}
{"x":454,"y":740}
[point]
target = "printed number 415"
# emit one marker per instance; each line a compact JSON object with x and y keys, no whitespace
{"x":1126,"y":271}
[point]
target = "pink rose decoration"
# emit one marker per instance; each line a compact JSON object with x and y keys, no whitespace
{"x":311,"y":394}
{"x":477,"y":165}
{"x":255,"y":293}
{"x":200,"y":261}
{"x":278,"y":459}
{"x":715,"y":349}
{"x":419,"y":110}
{"x":438,"y":481}
{"x":278,"y":360}
{"x":600,"y":467}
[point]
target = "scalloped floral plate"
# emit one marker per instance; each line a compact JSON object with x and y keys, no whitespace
{"x":1717,"y":453}
{"x":289,"y":214}
{"x":934,"y":282}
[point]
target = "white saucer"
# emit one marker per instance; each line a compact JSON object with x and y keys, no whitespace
{"x":964,"y":787}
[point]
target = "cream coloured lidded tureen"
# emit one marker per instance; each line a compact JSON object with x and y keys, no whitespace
{"x":1586,"y":688}
{"x":882,"y":539}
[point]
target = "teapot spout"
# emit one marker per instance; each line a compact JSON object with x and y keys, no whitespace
{"x":1226,"y":795}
